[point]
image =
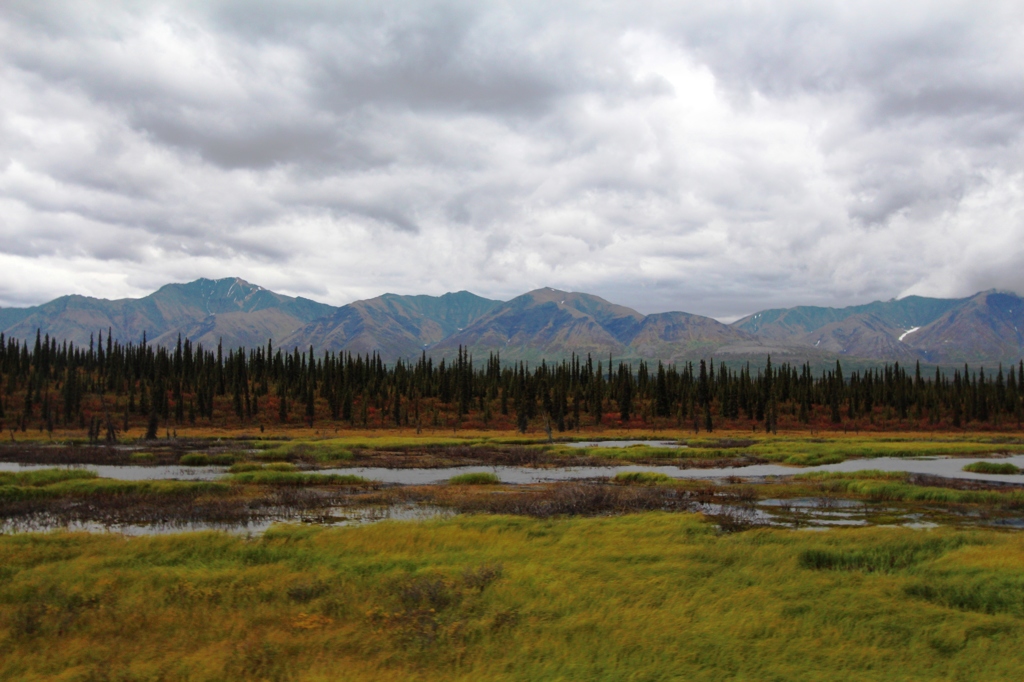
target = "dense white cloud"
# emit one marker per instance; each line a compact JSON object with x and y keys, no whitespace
{"x":711,"y":157}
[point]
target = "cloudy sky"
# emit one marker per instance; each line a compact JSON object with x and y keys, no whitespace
{"x":716,"y":158}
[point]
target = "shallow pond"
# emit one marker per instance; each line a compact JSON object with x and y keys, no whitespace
{"x":335,"y":516}
{"x":825,"y":513}
{"x":829,"y":512}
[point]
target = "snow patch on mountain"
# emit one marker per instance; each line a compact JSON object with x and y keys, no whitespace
{"x":909,"y":331}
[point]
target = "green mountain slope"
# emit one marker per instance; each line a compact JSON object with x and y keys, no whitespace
{"x":986,"y":327}
{"x":790,"y":324}
{"x":394,"y":326}
{"x":552,"y":324}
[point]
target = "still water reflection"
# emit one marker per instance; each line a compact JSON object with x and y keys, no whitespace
{"x":948,"y":467}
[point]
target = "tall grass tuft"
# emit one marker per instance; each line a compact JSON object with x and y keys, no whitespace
{"x":475,"y":478}
{"x":882,"y":558}
{"x":199,"y":459}
{"x":641,"y":477}
{"x":992,"y":468}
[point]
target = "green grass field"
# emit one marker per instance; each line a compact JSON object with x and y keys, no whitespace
{"x":636,"y":597}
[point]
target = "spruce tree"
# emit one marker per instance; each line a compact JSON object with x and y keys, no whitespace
{"x":152,"y":425}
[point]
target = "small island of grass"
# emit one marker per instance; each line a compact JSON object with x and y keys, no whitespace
{"x":641,"y":477}
{"x":992,"y":468}
{"x":476,"y":478}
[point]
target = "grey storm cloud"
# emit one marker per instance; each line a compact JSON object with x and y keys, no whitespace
{"x":717,"y":158}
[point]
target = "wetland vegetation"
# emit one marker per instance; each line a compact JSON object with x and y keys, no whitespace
{"x":255,"y":490}
{"x":640,"y":596}
{"x":634,"y":575}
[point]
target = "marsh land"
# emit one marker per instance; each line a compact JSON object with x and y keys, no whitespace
{"x":659,"y":556}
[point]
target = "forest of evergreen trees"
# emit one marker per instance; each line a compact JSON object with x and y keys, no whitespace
{"x":110,"y":388}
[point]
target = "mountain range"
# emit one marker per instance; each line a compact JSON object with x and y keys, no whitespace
{"x":545,"y":323}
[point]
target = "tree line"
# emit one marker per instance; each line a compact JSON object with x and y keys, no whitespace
{"x":110,"y":388}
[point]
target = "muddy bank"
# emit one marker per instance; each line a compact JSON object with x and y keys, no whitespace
{"x":158,"y":452}
{"x":586,"y":498}
{"x":241,"y":508}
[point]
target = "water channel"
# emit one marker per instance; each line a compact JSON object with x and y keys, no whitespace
{"x":947,"y":467}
